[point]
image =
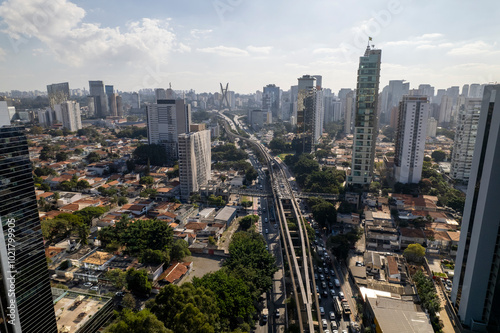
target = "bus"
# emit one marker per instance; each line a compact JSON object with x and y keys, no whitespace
{"x":337,"y":306}
{"x":347,"y":308}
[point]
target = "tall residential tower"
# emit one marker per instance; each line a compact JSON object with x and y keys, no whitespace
{"x":410,"y":139}
{"x":365,"y":122}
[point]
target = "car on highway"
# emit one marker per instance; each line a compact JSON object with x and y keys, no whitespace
{"x":322,"y":310}
{"x":320,"y":270}
{"x":119,"y":293}
{"x":267,"y":231}
{"x":95,"y":288}
{"x":337,"y":283}
{"x":330,"y":285}
{"x":324,"y":323}
{"x":323,"y":285}
{"x":333,"y":323}
{"x":88,"y":284}
{"x":326,"y":270}
{"x":332,"y":315}
{"x":332,"y":292}
{"x":325,"y":293}
{"x":277,"y":313}
{"x":321,"y":277}
{"x":341,"y":295}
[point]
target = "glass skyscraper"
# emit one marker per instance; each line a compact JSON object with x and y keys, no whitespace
{"x":25,"y":294}
{"x":365,"y":121}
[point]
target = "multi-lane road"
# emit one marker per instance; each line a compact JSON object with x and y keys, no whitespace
{"x":281,"y":218}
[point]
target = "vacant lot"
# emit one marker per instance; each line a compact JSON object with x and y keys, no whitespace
{"x":202,"y":265}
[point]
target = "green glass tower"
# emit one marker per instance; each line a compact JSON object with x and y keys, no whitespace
{"x":365,"y":121}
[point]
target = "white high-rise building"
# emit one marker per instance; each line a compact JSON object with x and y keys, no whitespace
{"x":432,"y":127}
{"x":310,"y":112}
{"x":195,"y":158}
{"x":166,"y":120}
{"x":445,"y":110}
{"x":465,"y":139}
{"x":4,"y":114}
{"x":70,"y":114}
{"x":410,"y":139}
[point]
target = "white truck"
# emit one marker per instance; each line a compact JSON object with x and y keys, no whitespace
{"x":265,"y":315}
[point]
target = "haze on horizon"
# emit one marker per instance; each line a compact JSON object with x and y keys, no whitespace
{"x":197,"y":44}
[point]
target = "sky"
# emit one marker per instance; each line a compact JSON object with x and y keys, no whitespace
{"x":197,"y":44}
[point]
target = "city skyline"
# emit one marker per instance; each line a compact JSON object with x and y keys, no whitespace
{"x":197,"y":45}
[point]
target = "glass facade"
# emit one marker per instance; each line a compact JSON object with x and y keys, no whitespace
{"x":26,"y":298}
{"x":365,"y":121}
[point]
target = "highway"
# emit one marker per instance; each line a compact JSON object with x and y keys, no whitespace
{"x":290,"y":226}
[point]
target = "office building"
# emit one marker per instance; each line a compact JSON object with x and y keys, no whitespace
{"x":476,"y":283}
{"x":70,"y":114}
{"x":96,"y":90}
{"x":258,"y":118}
{"x":119,"y":106}
{"x":194,"y":161}
{"x":410,"y":139}
{"x":166,"y":120}
{"x":160,"y":93}
{"x":426,"y":90}
{"x":465,"y":90}
{"x":309,"y":113}
{"x":365,"y":123}
{"x":465,"y":139}
{"x":271,"y":101}
{"x":5,"y":116}
{"x":26,"y":298}
{"x":58,"y":93}
{"x":476,"y":90}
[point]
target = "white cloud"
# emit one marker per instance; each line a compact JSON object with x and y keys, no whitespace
{"x":196,"y":33}
{"x":224,"y":51}
{"x":425,"y":39}
{"x":475,"y":48}
{"x":2,"y":54}
{"x":58,"y":24}
{"x":260,"y":49}
{"x":430,"y":36}
{"x":325,"y":50}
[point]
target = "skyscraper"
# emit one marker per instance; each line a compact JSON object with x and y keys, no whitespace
{"x":476,"y":284}
{"x":391,"y":96}
{"x":445,"y":110}
{"x":410,"y":139}
{"x":271,"y":101}
{"x":465,"y":139}
{"x":365,"y":123}
{"x":25,"y":293}
{"x":306,"y":113}
{"x":194,"y":161}
{"x":350,"y":102}
{"x":166,"y":120}
{"x":96,"y":90}
{"x":58,"y":93}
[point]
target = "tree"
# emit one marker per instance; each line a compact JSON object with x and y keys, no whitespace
{"x":138,"y":282}
{"x":154,"y":257}
{"x":249,"y":260}
{"x":61,"y":156}
{"x":93,"y":157}
{"x":36,"y":130}
{"x":375,"y":187}
{"x":187,"y":309}
{"x":323,"y":211}
{"x":246,"y":203}
{"x":179,"y":250}
{"x":339,"y":245}
{"x":137,"y":322}
{"x":82,"y":184}
{"x":216,"y":201}
{"x":89,"y":213}
{"x":146,"y":180}
{"x":321,"y":154}
{"x":122,"y":201}
{"x":251,"y":174}
{"x":232,"y":295}
{"x":414,"y":253}
{"x":117,"y":277}
{"x":248,"y":221}
{"x":438,"y":155}
{"x":128,"y":301}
